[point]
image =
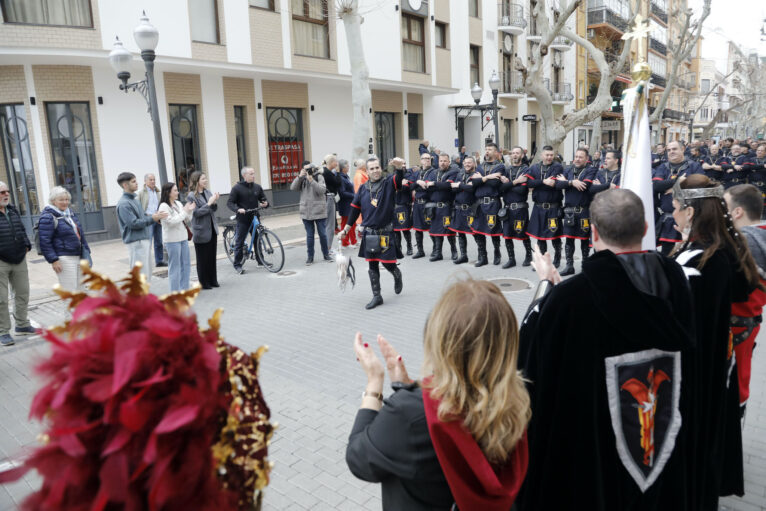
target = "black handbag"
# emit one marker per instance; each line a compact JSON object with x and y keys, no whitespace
{"x":429,"y":210}
{"x":372,"y":244}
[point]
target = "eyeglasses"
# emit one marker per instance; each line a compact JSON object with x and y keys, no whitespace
{"x":5,"y":192}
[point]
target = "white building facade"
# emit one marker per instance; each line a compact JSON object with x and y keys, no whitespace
{"x":264,"y":83}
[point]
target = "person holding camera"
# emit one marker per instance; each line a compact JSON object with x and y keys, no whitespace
{"x":375,"y":202}
{"x":313,"y":208}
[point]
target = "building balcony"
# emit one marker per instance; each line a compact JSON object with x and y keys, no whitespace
{"x":673,"y":115}
{"x":512,"y":84}
{"x":607,"y":18}
{"x":660,"y":12}
{"x":561,"y":44}
{"x":658,"y":80}
{"x":533,"y":33}
{"x":510,"y":18}
{"x":561,"y":93}
{"x":658,"y":46}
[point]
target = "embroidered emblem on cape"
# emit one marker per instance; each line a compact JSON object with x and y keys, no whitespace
{"x":518,"y":226}
{"x":400,"y":217}
{"x":644,"y":390}
{"x":470,"y":220}
{"x":584,"y":224}
{"x":384,"y":242}
{"x":491,"y":220}
{"x":553,"y":224}
{"x":447,"y":221}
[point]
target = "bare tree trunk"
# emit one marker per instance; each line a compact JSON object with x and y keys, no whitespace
{"x":361,"y":97}
{"x":595,"y":139}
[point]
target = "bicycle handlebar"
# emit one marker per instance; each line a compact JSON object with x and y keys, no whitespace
{"x":253,"y":210}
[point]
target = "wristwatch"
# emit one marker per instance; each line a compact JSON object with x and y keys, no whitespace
{"x":400,"y":385}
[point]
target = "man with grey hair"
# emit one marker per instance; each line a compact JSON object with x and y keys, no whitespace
{"x":14,"y":245}
{"x":149,"y":197}
{"x":244,"y":198}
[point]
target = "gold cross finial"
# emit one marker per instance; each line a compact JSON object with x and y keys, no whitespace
{"x":640,"y":29}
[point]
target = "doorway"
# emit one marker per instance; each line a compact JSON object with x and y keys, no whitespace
{"x":385,"y":136}
{"x":16,"y":167}
{"x":286,"y":154}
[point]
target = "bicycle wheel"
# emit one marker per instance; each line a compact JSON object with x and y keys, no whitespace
{"x":228,"y":242}
{"x":270,"y":251}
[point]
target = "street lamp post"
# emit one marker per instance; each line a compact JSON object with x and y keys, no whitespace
{"x":146,"y":36}
{"x":494,"y":85}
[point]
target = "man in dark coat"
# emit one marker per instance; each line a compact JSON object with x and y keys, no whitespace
{"x":545,"y":220}
{"x":14,"y":245}
{"x":439,"y":183}
{"x":486,"y":186}
{"x":608,"y":354}
{"x":575,"y":182}
{"x":245,"y":196}
{"x":416,"y":181}
{"x":515,"y":192}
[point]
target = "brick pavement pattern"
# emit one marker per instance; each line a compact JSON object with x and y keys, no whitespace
{"x":310,"y":377}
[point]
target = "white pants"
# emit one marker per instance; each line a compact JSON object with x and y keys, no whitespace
{"x":71,"y":275}
{"x":141,"y":251}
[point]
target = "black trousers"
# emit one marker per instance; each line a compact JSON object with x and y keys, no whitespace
{"x":206,"y":268}
{"x":243,"y":227}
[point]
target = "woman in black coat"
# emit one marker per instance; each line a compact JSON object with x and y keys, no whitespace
{"x":204,"y":229}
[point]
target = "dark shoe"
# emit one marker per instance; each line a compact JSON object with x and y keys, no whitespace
{"x":482,"y":261}
{"x":419,"y":254}
{"x":557,"y":258}
{"x":7,"y":340}
{"x":463,"y":244}
{"x":409,"y":247}
{"x":398,"y":284}
{"x":239,"y":269}
{"x":569,"y":253}
{"x":161,"y":265}
{"x":497,"y":257}
{"x":375,"y":285}
{"x":511,"y":255}
{"x":528,"y":249}
{"x":376,"y":300}
{"x":453,"y":248}
{"x":309,"y":261}
{"x":328,"y":259}
{"x":207,"y":287}
{"x":568,"y":269}
{"x":462,"y":259}
{"x":216,"y":285}
{"x":26,"y":330}
{"x":510,"y":264}
{"x":436,"y":257}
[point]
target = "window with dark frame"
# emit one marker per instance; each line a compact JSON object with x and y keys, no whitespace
{"x":311,"y":30}
{"x":440,"y":34}
{"x":473,"y":8}
{"x":240,"y":137}
{"x":263,"y":4}
{"x":475,"y":65}
{"x":203,"y":17}
{"x":64,"y":13}
{"x":413,"y":44}
{"x":185,"y":143}
{"x":413,"y":126}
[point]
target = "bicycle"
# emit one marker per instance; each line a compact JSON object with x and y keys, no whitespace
{"x":264,"y":247}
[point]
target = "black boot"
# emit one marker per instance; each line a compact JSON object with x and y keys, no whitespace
{"x":528,"y":249}
{"x":511,"y":255}
{"x":419,"y":243}
{"x":497,"y":257}
{"x":463,"y":242}
{"x":437,"y":253}
{"x":584,"y":249}
{"x":434,"y":242}
{"x":556,"y":252}
{"x":408,"y":239}
{"x":398,"y":284}
{"x":569,"y":252}
{"x":375,"y":284}
{"x":453,"y":248}
{"x":481,"y":243}
{"x":542,"y":246}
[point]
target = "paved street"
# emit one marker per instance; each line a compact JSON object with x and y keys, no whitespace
{"x":310,"y":377}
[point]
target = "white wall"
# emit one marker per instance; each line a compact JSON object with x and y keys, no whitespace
{"x":382,"y":31}
{"x":171,"y":17}
{"x":126,"y":133}
{"x":237,"y":21}
{"x":330,"y":122}
{"x":216,"y":137}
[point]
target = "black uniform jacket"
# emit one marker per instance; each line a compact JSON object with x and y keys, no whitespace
{"x":620,"y":305}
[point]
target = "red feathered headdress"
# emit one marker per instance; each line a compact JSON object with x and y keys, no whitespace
{"x":143,"y":410}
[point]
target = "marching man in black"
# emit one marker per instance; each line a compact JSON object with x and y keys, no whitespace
{"x":403,"y":213}
{"x":609,"y":176}
{"x":545,"y":221}
{"x":515,"y":192}
{"x":375,"y":201}
{"x":757,"y":175}
{"x":575,"y":182}
{"x":464,"y":204}
{"x":439,"y":184}
{"x":420,"y":223}
{"x":486,"y":184}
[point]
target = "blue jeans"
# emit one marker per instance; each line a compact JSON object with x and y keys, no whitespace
{"x":157,"y":237}
{"x":179,"y":265}
{"x":309,"y":226}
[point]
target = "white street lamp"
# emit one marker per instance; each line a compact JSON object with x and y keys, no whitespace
{"x":476,"y":93}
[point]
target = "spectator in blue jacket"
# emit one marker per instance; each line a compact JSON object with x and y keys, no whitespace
{"x":62,"y":239}
{"x":346,"y":193}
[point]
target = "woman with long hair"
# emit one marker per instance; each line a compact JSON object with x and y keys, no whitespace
{"x":458,"y":436}
{"x":721,"y":271}
{"x":204,"y":228}
{"x":175,"y":236}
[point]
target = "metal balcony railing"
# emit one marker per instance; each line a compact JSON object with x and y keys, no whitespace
{"x":510,"y":15}
{"x":511,"y":82}
{"x":673,"y":115}
{"x":658,"y":46}
{"x":561,"y":92}
{"x":659,"y":80}
{"x":600,"y":15}
{"x":532,"y":31}
{"x":561,"y":41}
{"x":660,"y":12}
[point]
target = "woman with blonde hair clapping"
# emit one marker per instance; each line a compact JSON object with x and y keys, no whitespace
{"x":458,"y":438}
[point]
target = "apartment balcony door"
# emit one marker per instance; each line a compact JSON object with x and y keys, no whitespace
{"x":16,"y":167}
{"x":385,"y":134}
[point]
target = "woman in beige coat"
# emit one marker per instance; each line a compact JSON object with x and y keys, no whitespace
{"x":313,"y":208}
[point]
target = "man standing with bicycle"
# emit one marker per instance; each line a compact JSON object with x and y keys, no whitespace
{"x":245,"y":195}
